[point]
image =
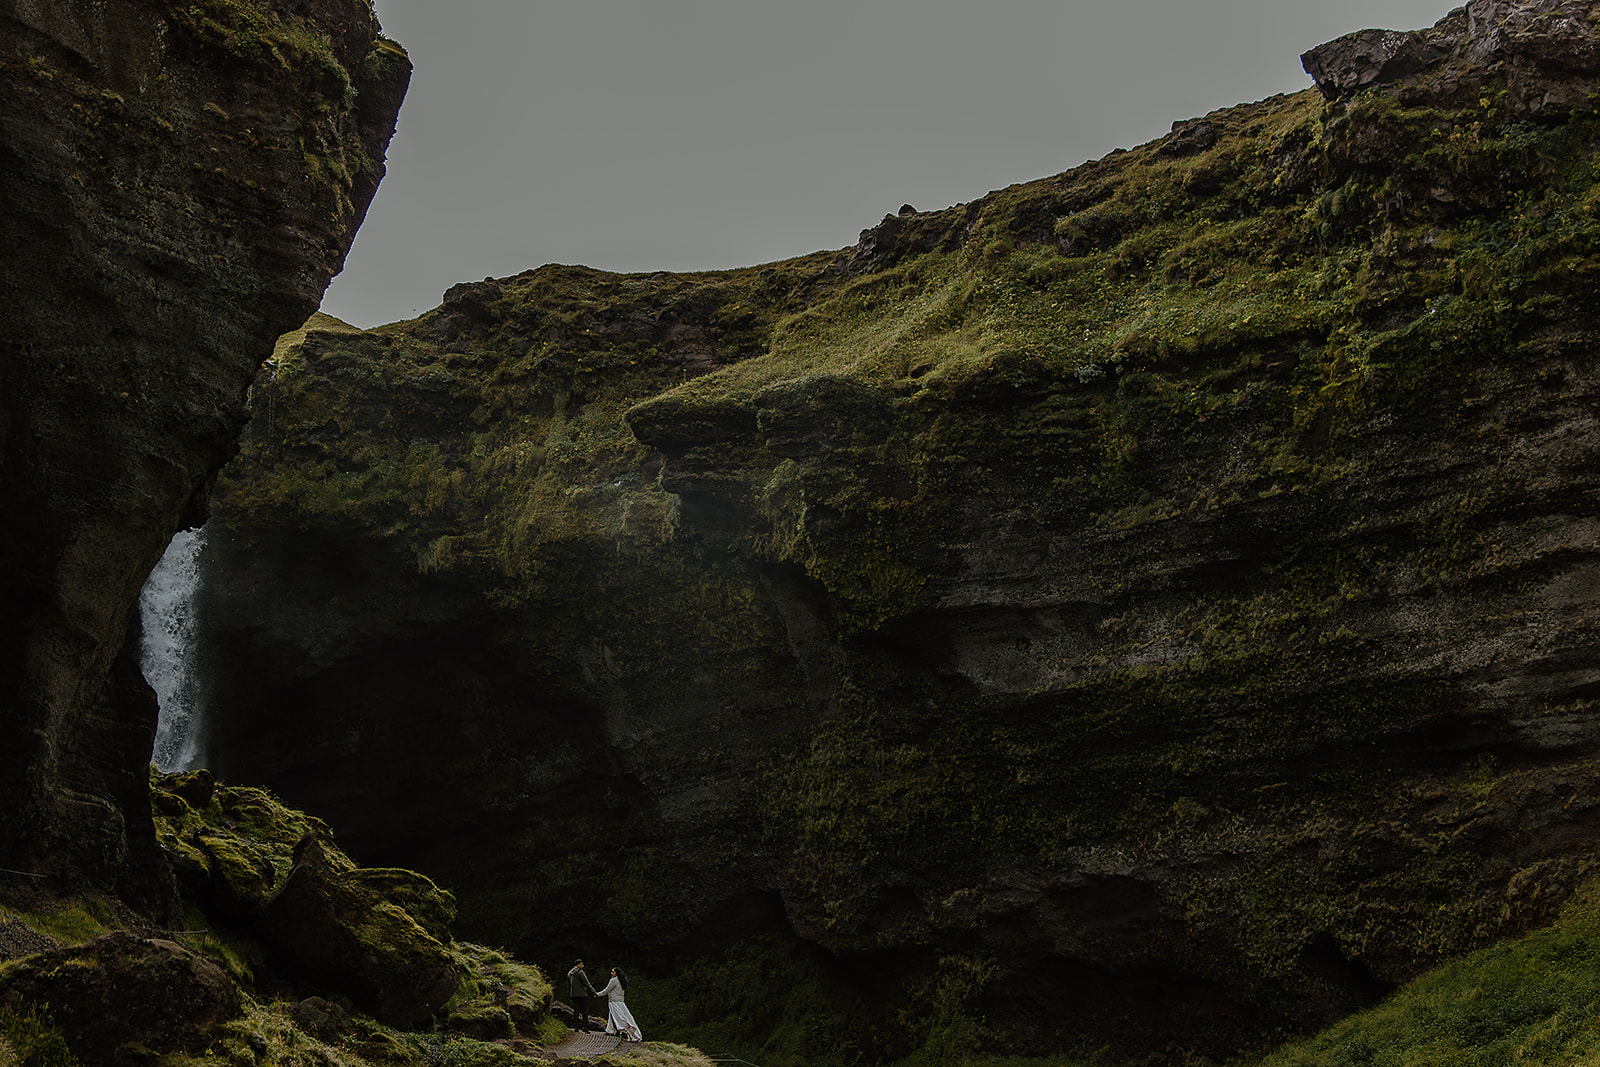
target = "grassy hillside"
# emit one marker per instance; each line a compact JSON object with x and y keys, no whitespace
{"x":1535,"y":1000}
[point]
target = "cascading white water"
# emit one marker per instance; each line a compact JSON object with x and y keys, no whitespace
{"x":166,"y":620}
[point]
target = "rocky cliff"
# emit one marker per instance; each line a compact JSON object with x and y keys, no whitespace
{"x":289,"y":952}
{"x":1152,"y":606}
{"x":178,"y":183}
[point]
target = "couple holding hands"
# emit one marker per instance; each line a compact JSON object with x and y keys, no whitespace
{"x":619,"y":1020}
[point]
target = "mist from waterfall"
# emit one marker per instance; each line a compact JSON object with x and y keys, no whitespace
{"x":166,"y":645}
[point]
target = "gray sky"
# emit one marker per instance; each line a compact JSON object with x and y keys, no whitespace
{"x":643,"y":135}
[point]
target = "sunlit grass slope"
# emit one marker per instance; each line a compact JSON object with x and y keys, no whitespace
{"x":1535,"y":1000}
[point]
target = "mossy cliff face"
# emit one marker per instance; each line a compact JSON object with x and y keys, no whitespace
{"x":180,"y":182}
{"x":1153,"y":605}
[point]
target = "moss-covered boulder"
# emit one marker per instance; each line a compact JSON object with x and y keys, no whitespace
{"x":430,"y":907}
{"x":499,"y":993}
{"x":268,"y":873}
{"x":123,"y":999}
{"x":336,"y":932}
{"x":230,"y":846}
{"x":324,"y":964}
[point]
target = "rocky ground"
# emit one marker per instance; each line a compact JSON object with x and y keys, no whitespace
{"x":17,"y":940}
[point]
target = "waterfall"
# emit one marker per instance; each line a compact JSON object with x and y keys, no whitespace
{"x":166,"y":645}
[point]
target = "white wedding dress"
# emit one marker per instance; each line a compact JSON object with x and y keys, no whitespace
{"x":619,"y":1020}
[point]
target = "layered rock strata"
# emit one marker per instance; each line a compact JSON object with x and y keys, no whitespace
{"x":179,"y":183}
{"x":1151,"y":606}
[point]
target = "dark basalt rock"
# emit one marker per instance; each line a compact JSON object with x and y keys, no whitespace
{"x":121,"y":998}
{"x":1370,"y":57}
{"x":1188,"y":138}
{"x":330,"y":928}
{"x":177,"y":186}
{"x":898,"y":236}
{"x":1156,"y":600}
{"x":1546,"y":51}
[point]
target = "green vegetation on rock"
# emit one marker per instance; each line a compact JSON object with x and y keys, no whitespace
{"x":1531,"y":1000}
{"x":1160,"y":589}
{"x":90,"y":983}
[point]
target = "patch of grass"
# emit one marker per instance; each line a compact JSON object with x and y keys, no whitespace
{"x":1533,"y":1000}
{"x":77,"y":924}
{"x":28,"y":1038}
{"x":258,"y":33}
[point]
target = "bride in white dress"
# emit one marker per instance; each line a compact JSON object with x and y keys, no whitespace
{"x":619,"y":1020}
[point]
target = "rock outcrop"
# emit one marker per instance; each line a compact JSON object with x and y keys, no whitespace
{"x":329,"y":927}
{"x":379,"y":937}
{"x":178,"y":184}
{"x":289,"y":949}
{"x":121,"y":998}
{"x":1150,"y":606}
{"x":1542,"y":53}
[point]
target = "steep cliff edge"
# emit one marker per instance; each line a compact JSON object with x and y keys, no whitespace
{"x":1150,"y":606}
{"x":178,"y":183}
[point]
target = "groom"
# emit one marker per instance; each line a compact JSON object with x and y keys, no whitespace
{"x":580,"y":990}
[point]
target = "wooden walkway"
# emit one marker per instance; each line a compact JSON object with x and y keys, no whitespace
{"x":580,"y":1044}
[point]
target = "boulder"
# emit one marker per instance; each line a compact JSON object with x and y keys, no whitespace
{"x":1546,"y":53}
{"x":1358,"y":60}
{"x":325,"y":1020}
{"x":121,"y":997}
{"x":331,"y":930}
{"x":434,"y":909}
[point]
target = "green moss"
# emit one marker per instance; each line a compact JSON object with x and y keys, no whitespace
{"x":945,"y":1025}
{"x":432,"y":908}
{"x":499,"y":992}
{"x":487,"y":1021}
{"x":241,"y":956}
{"x":255,"y":32}
{"x":1100,"y":362}
{"x":244,"y":838}
{"x":75,"y":925}
{"x":1322,"y":275}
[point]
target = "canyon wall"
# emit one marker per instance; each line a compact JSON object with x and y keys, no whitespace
{"x":1150,"y":607}
{"x":179,"y":181}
